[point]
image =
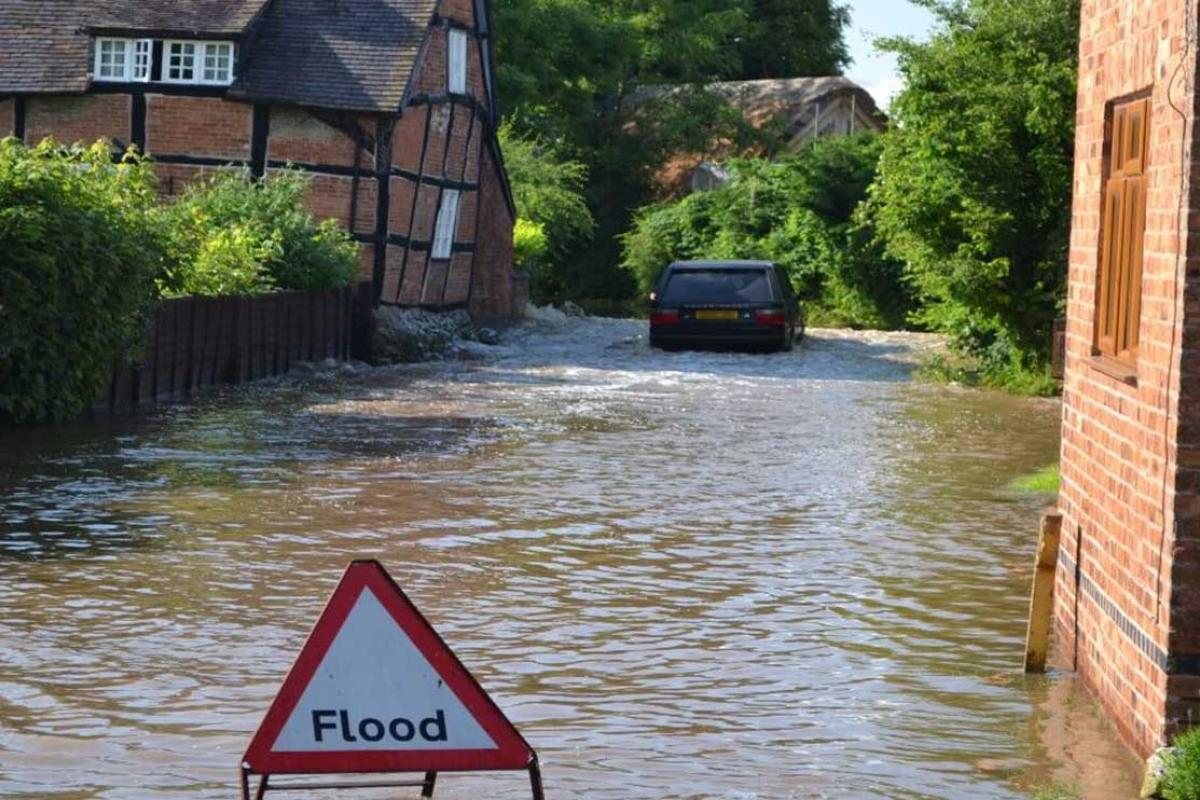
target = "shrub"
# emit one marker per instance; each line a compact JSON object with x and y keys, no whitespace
{"x":1182,"y":778}
{"x":231,"y":234}
{"x":974,"y":186}
{"x":529,"y":244}
{"x":81,"y":255}
{"x":552,"y":212}
{"x":803,"y":212}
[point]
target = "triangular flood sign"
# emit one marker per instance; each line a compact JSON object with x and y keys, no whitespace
{"x":375,"y":689}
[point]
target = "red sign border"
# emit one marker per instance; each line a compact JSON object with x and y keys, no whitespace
{"x":512,"y":751}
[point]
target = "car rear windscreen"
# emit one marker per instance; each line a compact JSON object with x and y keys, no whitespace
{"x":709,"y":286}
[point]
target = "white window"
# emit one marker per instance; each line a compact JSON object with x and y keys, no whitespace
{"x":143,"y":56}
{"x":447,"y":224}
{"x":112,"y":60}
{"x":456,"y":69}
{"x":181,"y":62}
{"x":218,"y":62}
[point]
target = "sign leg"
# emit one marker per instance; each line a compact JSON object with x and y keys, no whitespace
{"x":430,"y":780}
{"x":535,"y":780}
{"x":245,"y":784}
{"x":262,"y":787}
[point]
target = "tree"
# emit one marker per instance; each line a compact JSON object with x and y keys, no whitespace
{"x":974,"y":186}
{"x":552,"y":212}
{"x":567,"y":67}
{"x":790,"y":38}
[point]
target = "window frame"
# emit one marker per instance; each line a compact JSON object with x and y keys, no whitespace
{"x":215,"y":45}
{"x":445,"y":227}
{"x":138,"y":44}
{"x":1121,"y":250}
{"x":126,"y":59}
{"x":168,"y":45}
{"x":456,"y":61}
{"x":199,"y":57}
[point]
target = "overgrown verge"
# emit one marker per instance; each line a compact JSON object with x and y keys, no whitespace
{"x":1181,"y":775}
{"x":88,"y":250}
{"x":803,"y":212}
{"x":973,"y":194}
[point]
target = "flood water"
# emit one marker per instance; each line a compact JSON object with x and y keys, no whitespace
{"x":682,"y":575}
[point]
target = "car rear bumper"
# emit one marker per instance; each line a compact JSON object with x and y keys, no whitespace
{"x":685,"y":335}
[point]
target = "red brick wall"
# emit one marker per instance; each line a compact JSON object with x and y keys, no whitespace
{"x":331,"y":197}
{"x":491,"y":293}
{"x":1119,"y":492}
{"x":299,"y":137}
{"x":174,"y":178}
{"x":198,"y":126}
{"x":77,"y":118}
{"x":8,"y":117}
{"x":461,"y":11}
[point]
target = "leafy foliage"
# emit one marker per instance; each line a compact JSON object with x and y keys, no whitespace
{"x":230,"y":234}
{"x":800,"y":212}
{"x":81,"y":256}
{"x":566,"y":69}
{"x":1182,"y":778}
{"x":551,"y":207}
{"x":785,"y":38}
{"x":88,"y":250}
{"x":974,"y":186}
{"x":529,"y":244}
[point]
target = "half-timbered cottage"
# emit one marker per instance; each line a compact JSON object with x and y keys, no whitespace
{"x":389,"y":106}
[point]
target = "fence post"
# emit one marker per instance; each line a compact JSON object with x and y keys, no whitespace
{"x":362,"y":321}
{"x":1041,"y":601}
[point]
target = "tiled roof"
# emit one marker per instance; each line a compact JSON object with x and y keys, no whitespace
{"x":350,"y":54}
{"x":229,"y":17}
{"x":766,"y":98}
{"x":39,"y":49}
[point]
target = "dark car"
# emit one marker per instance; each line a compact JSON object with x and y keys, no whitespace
{"x":725,"y":304}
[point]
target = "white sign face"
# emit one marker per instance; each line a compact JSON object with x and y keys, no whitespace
{"x":375,"y":691}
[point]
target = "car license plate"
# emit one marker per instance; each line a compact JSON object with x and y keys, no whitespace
{"x":717,"y":314}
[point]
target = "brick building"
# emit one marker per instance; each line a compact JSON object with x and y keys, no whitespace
{"x":389,"y":106}
{"x":1128,"y":582}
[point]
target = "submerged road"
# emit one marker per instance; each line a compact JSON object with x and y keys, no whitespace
{"x":682,"y":575}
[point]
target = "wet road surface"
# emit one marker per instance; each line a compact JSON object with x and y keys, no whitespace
{"x":682,"y":575}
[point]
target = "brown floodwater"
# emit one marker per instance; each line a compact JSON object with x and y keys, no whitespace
{"x":682,"y":575}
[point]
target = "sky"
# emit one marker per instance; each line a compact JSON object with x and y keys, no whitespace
{"x":870,"y":19}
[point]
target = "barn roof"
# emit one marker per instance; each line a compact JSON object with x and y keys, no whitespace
{"x":763,"y":100}
{"x":348,"y":54}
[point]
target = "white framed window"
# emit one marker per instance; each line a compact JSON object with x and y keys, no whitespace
{"x":198,"y":62}
{"x":181,"y":62}
{"x":456,"y":68}
{"x":112,"y":60}
{"x":218,"y":63}
{"x":447,"y":224}
{"x":143,"y":58}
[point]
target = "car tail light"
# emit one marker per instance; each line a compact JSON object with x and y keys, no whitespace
{"x":773,"y":318}
{"x":664,"y":318}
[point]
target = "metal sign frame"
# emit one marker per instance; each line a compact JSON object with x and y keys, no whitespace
{"x":511,"y":753}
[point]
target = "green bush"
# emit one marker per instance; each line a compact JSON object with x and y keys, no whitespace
{"x":1182,"y":778}
{"x":974,"y":186}
{"x":802,"y":212}
{"x":231,"y":234}
{"x":552,"y":212}
{"x":81,"y":254}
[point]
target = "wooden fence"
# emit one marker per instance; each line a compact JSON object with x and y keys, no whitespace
{"x":194,"y":342}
